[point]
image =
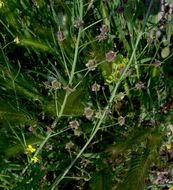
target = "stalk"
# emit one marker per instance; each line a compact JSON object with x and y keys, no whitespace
{"x":61,"y":177}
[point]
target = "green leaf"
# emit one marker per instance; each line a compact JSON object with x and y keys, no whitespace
{"x":165,"y":52}
{"x":35,"y":44}
{"x":135,"y":178}
{"x":11,"y":79}
{"x":9,"y":113}
{"x":135,"y":138}
{"x":74,"y":106}
{"x":13,"y":150}
{"x":101,"y":180}
{"x":140,"y":163}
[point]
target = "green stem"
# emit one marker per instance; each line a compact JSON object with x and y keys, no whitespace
{"x":73,"y":69}
{"x":77,"y":44}
{"x":63,"y":105}
{"x":126,"y":69}
{"x":61,"y":177}
{"x":56,"y":103}
{"x":37,"y":152}
{"x":65,"y":63}
{"x":75,"y":57}
{"x":7,"y":28}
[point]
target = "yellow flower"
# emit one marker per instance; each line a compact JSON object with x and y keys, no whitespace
{"x":34,"y":159}
{"x":168,"y":146}
{"x":16,"y":40}
{"x":171,"y":188}
{"x":30,"y":149}
{"x":1,"y":4}
{"x":109,"y":80}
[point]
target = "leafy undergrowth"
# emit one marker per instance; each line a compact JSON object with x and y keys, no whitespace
{"x":86,"y":94}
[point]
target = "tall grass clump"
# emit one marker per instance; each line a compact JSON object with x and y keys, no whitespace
{"x":86,"y":94}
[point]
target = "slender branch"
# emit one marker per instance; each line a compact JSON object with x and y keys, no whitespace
{"x":61,"y":177}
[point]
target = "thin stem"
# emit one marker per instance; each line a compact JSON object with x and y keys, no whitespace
{"x":73,"y":67}
{"x":63,"y":104}
{"x":91,"y":25}
{"x":6,"y":28}
{"x":62,"y":131}
{"x":11,"y":76}
{"x":82,"y":70}
{"x":65,"y":63}
{"x":60,"y":178}
{"x":126,"y":69}
{"x":157,"y":49}
{"x":75,"y":57}
{"x":37,"y":152}
{"x":13,"y":130}
{"x":77,"y":46}
{"x":56,"y":103}
{"x":8,"y":44}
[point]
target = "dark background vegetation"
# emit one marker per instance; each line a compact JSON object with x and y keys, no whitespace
{"x":89,"y":85}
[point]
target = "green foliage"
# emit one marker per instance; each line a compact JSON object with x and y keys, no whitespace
{"x":113,"y":74}
{"x":137,"y":172}
{"x":74,"y":107}
{"x":95,"y":121}
{"x":139,"y":164}
{"x":8,"y":113}
{"x":101,"y":180}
